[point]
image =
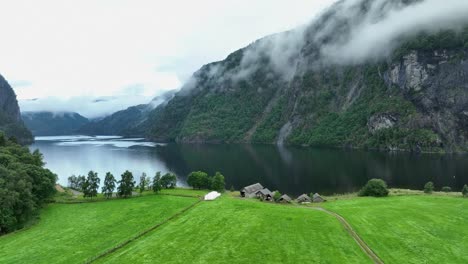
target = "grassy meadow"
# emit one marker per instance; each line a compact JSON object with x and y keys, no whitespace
{"x":406,"y":227}
{"x":231,"y":230}
{"x":411,"y":228}
{"x":72,"y":233}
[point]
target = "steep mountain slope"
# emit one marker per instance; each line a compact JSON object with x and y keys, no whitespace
{"x":52,"y":124}
{"x":128,"y":122}
{"x":355,"y":77}
{"x":10,"y":119}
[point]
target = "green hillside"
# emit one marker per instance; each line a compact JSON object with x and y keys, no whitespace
{"x":413,"y":98}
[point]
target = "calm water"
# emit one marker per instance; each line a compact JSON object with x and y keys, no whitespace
{"x":290,"y":170}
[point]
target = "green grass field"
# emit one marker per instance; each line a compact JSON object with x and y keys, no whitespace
{"x":410,"y":229}
{"x":231,"y":230}
{"x":402,"y":228}
{"x":72,"y":233}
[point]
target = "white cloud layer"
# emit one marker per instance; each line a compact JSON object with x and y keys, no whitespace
{"x":378,"y":32}
{"x":67,"y":52}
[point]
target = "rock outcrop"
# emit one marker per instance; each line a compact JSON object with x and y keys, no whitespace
{"x":10,"y":118}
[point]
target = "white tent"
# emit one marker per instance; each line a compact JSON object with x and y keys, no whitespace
{"x":211,"y":196}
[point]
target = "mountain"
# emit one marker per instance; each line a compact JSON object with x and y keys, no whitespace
{"x":10,"y":119}
{"x":52,"y":124}
{"x":354,"y":77}
{"x":128,"y":122}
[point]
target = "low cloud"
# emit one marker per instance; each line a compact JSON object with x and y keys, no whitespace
{"x":375,"y":32}
{"x":90,"y":107}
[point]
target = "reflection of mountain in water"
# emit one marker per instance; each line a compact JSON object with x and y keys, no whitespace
{"x":298,"y":170}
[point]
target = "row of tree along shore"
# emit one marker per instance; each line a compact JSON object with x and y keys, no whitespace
{"x":126,"y":186}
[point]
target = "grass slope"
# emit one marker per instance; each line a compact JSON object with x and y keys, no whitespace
{"x":231,"y":230}
{"x":72,"y":233}
{"x":410,"y":229}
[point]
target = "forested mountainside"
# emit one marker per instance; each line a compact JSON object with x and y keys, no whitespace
{"x":51,"y":124}
{"x":128,"y":122}
{"x":321,"y":86}
{"x":10,"y":118}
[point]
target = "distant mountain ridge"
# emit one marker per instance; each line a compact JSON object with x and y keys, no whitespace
{"x":10,"y":118}
{"x":45,"y":123}
{"x":127,"y":122}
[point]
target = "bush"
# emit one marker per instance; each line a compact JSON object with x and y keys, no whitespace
{"x":217,"y":183}
{"x":277,"y":196}
{"x":374,"y":187}
{"x":429,"y":187}
{"x":465,"y":190}
{"x":446,"y":189}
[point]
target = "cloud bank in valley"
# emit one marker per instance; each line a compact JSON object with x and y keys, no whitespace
{"x":86,"y":48}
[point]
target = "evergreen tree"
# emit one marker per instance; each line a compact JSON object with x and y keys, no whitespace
{"x":142,"y":182}
{"x":91,"y":185}
{"x":157,"y":182}
{"x":109,"y":185}
{"x":126,"y":185}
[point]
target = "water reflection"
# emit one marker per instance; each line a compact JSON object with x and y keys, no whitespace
{"x":290,"y":170}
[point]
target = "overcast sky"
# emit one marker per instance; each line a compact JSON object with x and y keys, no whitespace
{"x":130,"y":50}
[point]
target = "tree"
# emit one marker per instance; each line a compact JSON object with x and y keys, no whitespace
{"x":142,"y":182}
{"x":277,"y":196}
{"x":429,"y":187}
{"x":218,"y":183}
{"x":148,"y":183}
{"x":198,"y":180}
{"x":374,"y":187}
{"x":91,"y":185}
{"x":157,"y":182}
{"x":169,"y":181}
{"x":73,"y":182}
{"x":109,"y":185}
{"x":80,"y":182}
{"x":126,"y":185}
{"x":24,"y":185}
{"x":465,"y":190}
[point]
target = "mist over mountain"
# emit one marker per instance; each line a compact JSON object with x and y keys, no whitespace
{"x":10,"y":119}
{"x":368,"y":74}
{"x":128,"y":122}
{"x":52,"y":124}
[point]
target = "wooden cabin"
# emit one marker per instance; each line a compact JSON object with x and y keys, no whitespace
{"x":264,"y":194}
{"x":304,"y":198}
{"x":316,"y":198}
{"x":285,"y":199}
{"x":251,"y":190}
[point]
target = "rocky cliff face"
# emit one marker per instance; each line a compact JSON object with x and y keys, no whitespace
{"x":10,"y":119}
{"x":8,"y":103}
{"x":278,"y":90}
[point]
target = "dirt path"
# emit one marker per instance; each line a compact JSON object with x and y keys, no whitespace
{"x":141,"y":234}
{"x":353,"y":234}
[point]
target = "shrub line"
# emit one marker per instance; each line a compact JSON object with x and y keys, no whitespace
{"x":141,"y":234}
